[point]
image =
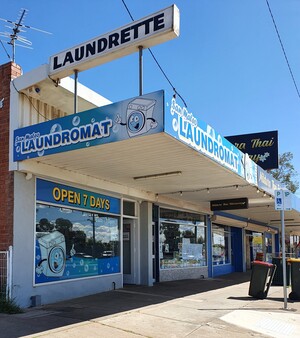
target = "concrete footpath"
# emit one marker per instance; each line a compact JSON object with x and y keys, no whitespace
{"x":217,"y":307}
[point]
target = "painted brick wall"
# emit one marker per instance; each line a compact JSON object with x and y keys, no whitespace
{"x":8,"y":72}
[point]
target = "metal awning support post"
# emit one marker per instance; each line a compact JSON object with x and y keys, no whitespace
{"x":140,"y":70}
{"x":283,"y":258}
{"x":75,"y":91}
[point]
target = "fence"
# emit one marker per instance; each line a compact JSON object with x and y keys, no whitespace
{"x":5,"y":273}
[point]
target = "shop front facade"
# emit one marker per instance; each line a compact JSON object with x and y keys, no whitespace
{"x":121,"y":194}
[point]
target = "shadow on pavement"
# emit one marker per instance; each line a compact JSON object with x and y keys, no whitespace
{"x":87,"y":308}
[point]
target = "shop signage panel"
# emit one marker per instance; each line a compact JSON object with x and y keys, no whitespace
{"x":189,"y":129}
{"x":147,"y":32}
{"x":262,"y":148}
{"x":63,"y":195}
{"x":229,"y":204}
{"x":266,"y":181}
{"x":250,"y":170}
{"x":139,"y":116}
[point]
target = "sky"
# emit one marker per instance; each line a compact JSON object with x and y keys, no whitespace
{"x":227,"y":63}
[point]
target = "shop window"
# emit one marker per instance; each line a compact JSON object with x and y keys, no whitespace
{"x":74,"y":244}
{"x":182,"y":241}
{"x":129,"y":208}
{"x":221,"y":244}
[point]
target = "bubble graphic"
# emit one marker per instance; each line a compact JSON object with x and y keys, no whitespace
{"x":86,"y":268}
{"x":81,"y":262}
{"x":41,"y":153}
{"x":18,"y":149}
{"x":87,"y":144}
{"x":115,"y":128}
{"x":55,"y":128}
{"x":108,"y":265}
{"x":93,"y":120}
{"x":76,"y":121}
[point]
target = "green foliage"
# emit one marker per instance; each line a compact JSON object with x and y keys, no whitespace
{"x":8,"y":305}
{"x":286,"y":172}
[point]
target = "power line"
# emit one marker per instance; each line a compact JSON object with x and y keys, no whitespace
{"x":156,"y":61}
{"x":282,"y":47}
{"x":5,"y":49}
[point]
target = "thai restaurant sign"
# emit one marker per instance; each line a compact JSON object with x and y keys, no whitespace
{"x":147,"y":32}
{"x":262,"y":148}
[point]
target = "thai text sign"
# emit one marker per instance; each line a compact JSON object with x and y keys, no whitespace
{"x":262,"y":148}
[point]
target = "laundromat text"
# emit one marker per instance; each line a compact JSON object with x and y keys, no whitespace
{"x":77,"y":198}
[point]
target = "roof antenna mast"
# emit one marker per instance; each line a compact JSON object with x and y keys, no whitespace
{"x":16,"y":28}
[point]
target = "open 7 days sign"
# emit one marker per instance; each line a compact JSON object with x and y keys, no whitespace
{"x":147,"y":32}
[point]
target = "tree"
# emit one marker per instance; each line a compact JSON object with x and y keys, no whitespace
{"x":286,"y":172}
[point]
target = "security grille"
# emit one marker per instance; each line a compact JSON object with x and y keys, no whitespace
{"x":5,"y":273}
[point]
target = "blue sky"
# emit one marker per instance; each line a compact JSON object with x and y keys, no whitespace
{"x":227,"y":63}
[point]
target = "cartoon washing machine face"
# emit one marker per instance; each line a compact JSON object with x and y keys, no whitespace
{"x":53,"y":254}
{"x":140,"y":116}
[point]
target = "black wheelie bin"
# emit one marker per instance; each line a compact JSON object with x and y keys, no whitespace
{"x":295,"y":278}
{"x":261,"y":278}
{"x":278,"y":276}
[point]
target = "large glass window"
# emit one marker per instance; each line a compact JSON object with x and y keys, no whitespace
{"x":221,"y":244}
{"x":182,"y":239}
{"x":73,"y":244}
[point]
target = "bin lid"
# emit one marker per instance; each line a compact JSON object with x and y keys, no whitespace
{"x":263,"y":263}
{"x":293,"y":260}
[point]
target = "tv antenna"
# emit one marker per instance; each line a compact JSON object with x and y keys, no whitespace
{"x":16,"y":28}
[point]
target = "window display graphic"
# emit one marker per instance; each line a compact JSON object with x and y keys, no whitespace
{"x":139,"y":117}
{"x":52,"y":254}
{"x":75,"y":244}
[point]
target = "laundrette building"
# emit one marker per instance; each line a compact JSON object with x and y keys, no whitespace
{"x":99,"y":201}
{"x":120,"y":193}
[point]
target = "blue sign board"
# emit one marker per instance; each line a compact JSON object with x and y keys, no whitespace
{"x":187,"y":128}
{"x":130,"y":118}
{"x":63,"y":195}
{"x":140,"y":116}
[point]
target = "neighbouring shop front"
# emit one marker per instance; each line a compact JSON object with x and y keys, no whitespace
{"x":182,"y":245}
{"x":227,"y":249}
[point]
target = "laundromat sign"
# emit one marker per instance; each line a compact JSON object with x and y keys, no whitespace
{"x":186,"y":127}
{"x":147,"y":32}
{"x":118,"y":121}
{"x":67,"y":196}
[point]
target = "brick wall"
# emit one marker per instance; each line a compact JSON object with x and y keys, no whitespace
{"x":8,"y":72}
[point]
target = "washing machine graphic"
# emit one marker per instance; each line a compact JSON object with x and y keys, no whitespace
{"x":53,"y":254}
{"x":140,"y":116}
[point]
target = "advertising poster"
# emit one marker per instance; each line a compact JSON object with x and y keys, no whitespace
{"x":71,"y":242}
